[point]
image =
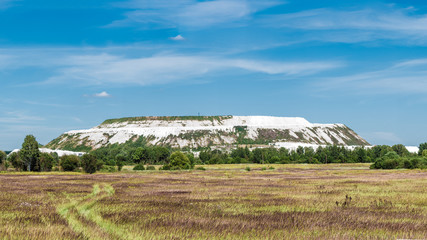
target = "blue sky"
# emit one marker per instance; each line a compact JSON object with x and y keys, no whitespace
{"x":72,"y":64}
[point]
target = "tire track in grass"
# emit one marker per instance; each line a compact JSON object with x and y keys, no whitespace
{"x":83,"y":219}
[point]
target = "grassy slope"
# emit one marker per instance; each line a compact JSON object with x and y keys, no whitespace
{"x":223,"y":202}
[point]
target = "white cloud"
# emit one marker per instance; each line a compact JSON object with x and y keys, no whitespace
{"x":355,"y":26}
{"x":103,"y":94}
{"x":406,"y":77}
{"x":111,"y":69}
{"x":18,"y":117}
{"x":177,"y":38}
{"x":190,"y":12}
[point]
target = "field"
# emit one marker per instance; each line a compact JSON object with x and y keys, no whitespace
{"x":347,"y":201}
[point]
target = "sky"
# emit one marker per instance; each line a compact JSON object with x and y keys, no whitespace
{"x":68,"y":65}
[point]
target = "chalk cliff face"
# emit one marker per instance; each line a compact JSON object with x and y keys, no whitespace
{"x":195,"y":132}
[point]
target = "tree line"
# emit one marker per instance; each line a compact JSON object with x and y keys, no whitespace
{"x":114,"y":157}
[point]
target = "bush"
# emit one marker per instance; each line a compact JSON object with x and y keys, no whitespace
{"x":390,"y":160}
{"x":139,"y":167}
{"x":150,"y":168}
{"x":69,"y":163}
{"x":201,"y":168}
{"x":248,"y":169}
{"x":178,"y":161}
{"x":89,"y":162}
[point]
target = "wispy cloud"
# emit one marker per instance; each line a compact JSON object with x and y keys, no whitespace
{"x":189,"y":13}
{"x":367,"y":24}
{"x":404,"y":77}
{"x":111,"y":69}
{"x":18,"y":117}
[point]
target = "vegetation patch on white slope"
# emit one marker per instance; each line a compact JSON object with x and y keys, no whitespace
{"x":195,"y":132}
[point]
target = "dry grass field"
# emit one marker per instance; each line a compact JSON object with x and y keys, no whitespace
{"x":347,"y":201}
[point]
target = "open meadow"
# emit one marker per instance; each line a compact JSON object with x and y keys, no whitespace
{"x":333,"y":201}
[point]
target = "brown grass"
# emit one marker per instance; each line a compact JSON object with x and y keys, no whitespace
{"x":224,"y":202}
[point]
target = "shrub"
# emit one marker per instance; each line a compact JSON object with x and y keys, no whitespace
{"x":201,"y":168}
{"x":139,"y":167}
{"x":271,"y":168}
{"x":263,"y":168}
{"x":390,"y":160}
{"x":178,"y":161}
{"x":150,"y":168}
{"x":89,"y":162}
{"x":248,"y":169}
{"x":69,"y":163}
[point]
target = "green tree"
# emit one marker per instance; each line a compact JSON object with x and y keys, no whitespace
{"x":46,"y":162}
{"x":2,"y":157}
{"x":69,"y":163}
{"x":30,"y":154}
{"x":422,"y":147}
{"x":161,"y":154}
{"x":141,"y":155}
{"x":400,"y":149}
{"x":178,"y":161}
{"x":16,"y":161}
{"x":89,"y":162}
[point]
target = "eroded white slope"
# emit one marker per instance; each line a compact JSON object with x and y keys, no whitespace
{"x":171,"y":132}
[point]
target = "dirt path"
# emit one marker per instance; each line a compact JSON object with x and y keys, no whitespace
{"x":83,"y":219}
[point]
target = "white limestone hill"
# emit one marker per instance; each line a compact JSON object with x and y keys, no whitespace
{"x":208,"y":131}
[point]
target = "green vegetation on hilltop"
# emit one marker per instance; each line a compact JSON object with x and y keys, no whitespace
{"x":166,"y":118}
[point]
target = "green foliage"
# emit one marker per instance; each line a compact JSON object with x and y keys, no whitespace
{"x":139,"y":167}
{"x":392,"y":160}
{"x":151,"y":168}
{"x":99,"y":164}
{"x":168,"y":118}
{"x":89,"y":162}
{"x":422,"y":147}
{"x":248,"y":169}
{"x":178,"y":161}
{"x":46,"y":162}
{"x":69,"y":163}
{"x":119,"y":165}
{"x":201,"y":168}
{"x":141,"y":155}
{"x":400,"y":149}
{"x":424,"y":153}
{"x":2,"y":157}
{"x":30,"y":154}
{"x":16,"y":161}
{"x":107,"y":168}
